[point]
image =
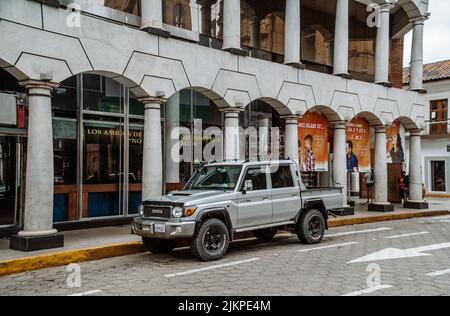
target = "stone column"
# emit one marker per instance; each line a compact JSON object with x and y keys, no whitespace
{"x":38,"y":232}
{"x":416,"y":74}
{"x":152,"y":169}
{"x":172,"y":139}
{"x":381,"y":203}
{"x":232,"y":135}
{"x":232,"y":27}
{"x":415,"y":200}
{"x":292,"y":34}
{"x":340,"y":159}
{"x":152,"y":15}
{"x":383,"y":46}
{"x":206,"y":16}
{"x":341,"y":42}
{"x":291,"y":139}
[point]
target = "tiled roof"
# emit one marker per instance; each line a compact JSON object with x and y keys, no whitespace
{"x":431,"y":72}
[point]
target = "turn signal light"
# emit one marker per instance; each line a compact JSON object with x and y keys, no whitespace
{"x":188,"y":212}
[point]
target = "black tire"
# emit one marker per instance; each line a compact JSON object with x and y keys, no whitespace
{"x":265,"y":234}
{"x":311,"y":227}
{"x":212,"y":241}
{"x":158,"y":246}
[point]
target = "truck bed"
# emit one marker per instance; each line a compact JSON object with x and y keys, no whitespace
{"x":331,"y":196}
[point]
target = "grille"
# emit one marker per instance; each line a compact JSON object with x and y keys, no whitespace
{"x":157,"y":212}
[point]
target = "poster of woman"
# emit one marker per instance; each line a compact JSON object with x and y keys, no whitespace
{"x":313,"y":142}
{"x":394,"y":143}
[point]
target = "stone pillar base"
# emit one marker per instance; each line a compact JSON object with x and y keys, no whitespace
{"x":296,"y":65}
{"x":417,"y":205}
{"x":156,"y":31}
{"x":382,"y":208}
{"x":28,"y":244}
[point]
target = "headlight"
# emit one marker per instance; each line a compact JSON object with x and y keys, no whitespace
{"x":177,"y":212}
{"x":141,"y":210}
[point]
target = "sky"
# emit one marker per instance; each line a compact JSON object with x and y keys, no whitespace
{"x":437,"y":34}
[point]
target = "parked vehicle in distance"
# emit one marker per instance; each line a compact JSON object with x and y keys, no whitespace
{"x":223,"y":199}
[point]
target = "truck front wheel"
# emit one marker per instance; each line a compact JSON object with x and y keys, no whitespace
{"x":158,"y":246}
{"x":311,"y":227}
{"x":212,"y":240}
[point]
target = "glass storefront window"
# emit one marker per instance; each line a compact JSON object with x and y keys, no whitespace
{"x":136,"y":137}
{"x":103,"y":167}
{"x":102,"y":94}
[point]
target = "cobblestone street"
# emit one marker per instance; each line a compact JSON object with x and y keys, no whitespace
{"x":281,"y":267}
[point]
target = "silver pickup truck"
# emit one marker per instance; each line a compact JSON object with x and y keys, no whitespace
{"x":223,"y":199}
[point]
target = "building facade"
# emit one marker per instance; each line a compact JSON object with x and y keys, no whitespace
{"x":99,"y":96}
{"x":436,"y":139}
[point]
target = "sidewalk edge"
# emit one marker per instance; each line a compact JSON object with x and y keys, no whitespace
{"x":58,"y":259}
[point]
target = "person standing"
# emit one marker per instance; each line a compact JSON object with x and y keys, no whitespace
{"x":370,"y":186}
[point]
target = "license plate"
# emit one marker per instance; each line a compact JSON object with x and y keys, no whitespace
{"x":160,"y":228}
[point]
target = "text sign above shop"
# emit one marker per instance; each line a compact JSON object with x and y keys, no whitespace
{"x":134,"y":136}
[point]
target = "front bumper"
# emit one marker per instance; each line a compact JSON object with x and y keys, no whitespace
{"x":162,"y":230}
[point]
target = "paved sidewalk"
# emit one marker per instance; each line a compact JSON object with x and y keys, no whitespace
{"x":94,"y":244}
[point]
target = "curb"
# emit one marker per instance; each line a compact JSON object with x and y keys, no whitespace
{"x":67,"y":257}
{"x":58,"y":259}
{"x":383,"y":218}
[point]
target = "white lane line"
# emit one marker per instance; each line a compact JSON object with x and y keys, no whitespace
{"x":439,"y":273}
{"x":407,"y":235}
{"x":381,"y":229}
{"x":211,"y":267}
{"x":369,"y":290}
{"x":328,"y":247}
{"x":87,"y":293}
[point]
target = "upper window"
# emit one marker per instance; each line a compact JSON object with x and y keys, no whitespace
{"x":438,"y":117}
{"x":258,"y":178}
{"x":282,"y":178}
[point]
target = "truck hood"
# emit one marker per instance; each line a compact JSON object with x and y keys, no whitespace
{"x":192,"y":197}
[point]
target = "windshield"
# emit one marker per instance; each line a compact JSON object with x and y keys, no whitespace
{"x":217,"y":178}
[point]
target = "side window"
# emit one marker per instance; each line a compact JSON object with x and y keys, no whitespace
{"x":282,"y":178}
{"x":258,"y":178}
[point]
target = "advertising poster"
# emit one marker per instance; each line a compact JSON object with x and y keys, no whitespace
{"x":313,"y":142}
{"x":395,"y":140}
{"x":358,"y":145}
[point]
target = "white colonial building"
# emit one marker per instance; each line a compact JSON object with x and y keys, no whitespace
{"x":105,"y":83}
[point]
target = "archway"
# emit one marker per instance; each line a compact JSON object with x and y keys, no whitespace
{"x":98,"y":127}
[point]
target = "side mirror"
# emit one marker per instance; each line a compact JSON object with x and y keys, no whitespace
{"x":248,"y":186}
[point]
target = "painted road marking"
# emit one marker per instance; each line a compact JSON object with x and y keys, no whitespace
{"x":394,"y":253}
{"x":407,"y":235}
{"x":358,"y":232}
{"x":369,"y":290}
{"x":439,"y":273}
{"x":211,"y":268}
{"x":328,"y":247}
{"x":87,"y":293}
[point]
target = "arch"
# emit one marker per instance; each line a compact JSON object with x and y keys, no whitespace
{"x":216,"y":98}
{"x":13,"y":70}
{"x":414,"y":8}
{"x":278,"y":106}
{"x":408,"y":123}
{"x":330,"y":114}
{"x":371,"y":118}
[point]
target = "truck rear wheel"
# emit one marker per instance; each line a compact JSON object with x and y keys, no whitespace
{"x":311,"y":227}
{"x":158,"y":246}
{"x":265,"y":234}
{"x":212,"y":241}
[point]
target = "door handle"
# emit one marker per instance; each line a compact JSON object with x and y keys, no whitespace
{"x":296,"y":194}
{"x":265,"y":198}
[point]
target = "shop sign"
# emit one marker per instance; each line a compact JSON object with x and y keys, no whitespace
{"x":313,"y":142}
{"x":134,"y":136}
